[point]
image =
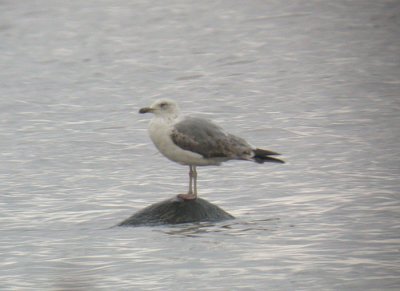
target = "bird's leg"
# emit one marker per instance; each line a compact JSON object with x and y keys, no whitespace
{"x":191,"y":195}
{"x":190,"y":180}
{"x":194,"y":177}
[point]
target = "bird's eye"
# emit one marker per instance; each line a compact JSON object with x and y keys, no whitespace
{"x":164,"y":104}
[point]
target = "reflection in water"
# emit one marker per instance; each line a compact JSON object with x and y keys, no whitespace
{"x":235,"y":227}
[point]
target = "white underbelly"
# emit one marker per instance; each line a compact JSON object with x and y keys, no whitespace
{"x":160,"y":135}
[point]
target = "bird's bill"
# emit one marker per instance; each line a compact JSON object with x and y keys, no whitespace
{"x":146,"y":110}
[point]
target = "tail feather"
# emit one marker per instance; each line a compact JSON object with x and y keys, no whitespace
{"x":261,"y":156}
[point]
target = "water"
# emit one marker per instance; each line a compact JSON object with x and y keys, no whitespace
{"x":318,"y":81}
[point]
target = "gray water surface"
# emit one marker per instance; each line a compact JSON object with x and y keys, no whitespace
{"x":318,"y":81}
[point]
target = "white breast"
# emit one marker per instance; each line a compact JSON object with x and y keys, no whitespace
{"x":160,"y":134}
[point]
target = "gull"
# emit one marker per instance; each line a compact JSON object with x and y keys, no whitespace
{"x":195,"y":141}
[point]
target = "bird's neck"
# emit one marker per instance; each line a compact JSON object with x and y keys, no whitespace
{"x":169,"y":119}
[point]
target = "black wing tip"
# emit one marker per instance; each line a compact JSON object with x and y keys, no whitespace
{"x":262,"y":160}
{"x":261,"y":156}
{"x":262,"y":152}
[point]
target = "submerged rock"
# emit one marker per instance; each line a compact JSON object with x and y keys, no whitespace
{"x":176,"y":210}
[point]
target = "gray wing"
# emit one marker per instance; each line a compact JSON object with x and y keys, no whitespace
{"x":209,"y":140}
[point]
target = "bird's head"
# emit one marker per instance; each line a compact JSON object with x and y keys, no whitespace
{"x":163,"y":108}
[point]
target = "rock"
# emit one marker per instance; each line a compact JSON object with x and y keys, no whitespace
{"x":176,"y":210}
